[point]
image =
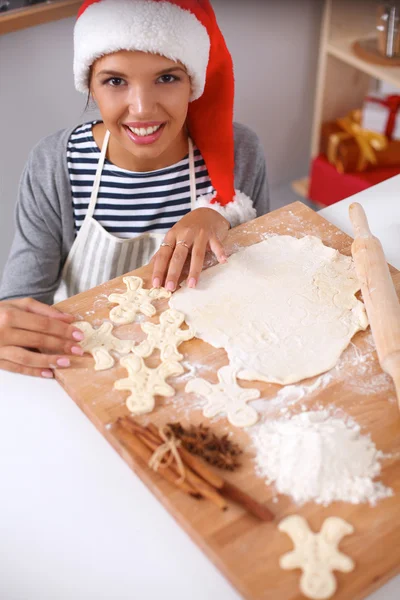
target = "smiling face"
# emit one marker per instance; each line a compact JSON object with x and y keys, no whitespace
{"x":143,"y":100}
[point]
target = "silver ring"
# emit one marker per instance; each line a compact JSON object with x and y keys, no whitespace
{"x":183,"y":243}
{"x":166,"y":244}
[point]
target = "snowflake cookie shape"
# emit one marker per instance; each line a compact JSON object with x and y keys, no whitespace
{"x":166,"y":336}
{"x":144,"y":383}
{"x":316,"y":554}
{"x":134,"y":300}
{"x":226,"y":397}
{"x":99,"y":342}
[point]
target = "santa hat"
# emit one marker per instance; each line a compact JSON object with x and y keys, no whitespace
{"x":185,"y":31}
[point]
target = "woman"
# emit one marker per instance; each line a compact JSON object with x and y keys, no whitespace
{"x":164,"y":174}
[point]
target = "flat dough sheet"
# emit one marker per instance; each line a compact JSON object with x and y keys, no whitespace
{"x":283,"y":309}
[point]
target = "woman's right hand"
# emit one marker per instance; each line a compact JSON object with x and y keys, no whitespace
{"x":27,"y":326}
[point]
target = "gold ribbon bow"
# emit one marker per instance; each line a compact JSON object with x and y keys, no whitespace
{"x":368,"y":141}
{"x":170,"y":447}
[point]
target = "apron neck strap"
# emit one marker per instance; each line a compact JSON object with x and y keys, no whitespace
{"x":192,"y":176}
{"x":96,"y":183}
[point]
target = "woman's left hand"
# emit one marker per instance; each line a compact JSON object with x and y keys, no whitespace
{"x":196,"y":232}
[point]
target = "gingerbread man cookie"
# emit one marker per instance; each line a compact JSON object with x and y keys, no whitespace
{"x":226,"y":397}
{"x":134,"y":300}
{"x":166,"y":336}
{"x":100,"y":342}
{"x":316,"y":554}
{"x":144,"y":383}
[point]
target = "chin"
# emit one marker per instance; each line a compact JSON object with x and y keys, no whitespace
{"x":148,"y":152}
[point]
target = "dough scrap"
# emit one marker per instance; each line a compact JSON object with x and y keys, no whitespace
{"x":166,"y":336}
{"x":283,"y":309}
{"x":316,"y":554}
{"x":144,"y":383}
{"x":226,"y":397}
{"x":134,"y":300}
{"x":99,"y":342}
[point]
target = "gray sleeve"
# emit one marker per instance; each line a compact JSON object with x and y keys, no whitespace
{"x":34,"y":264}
{"x":250,"y":168}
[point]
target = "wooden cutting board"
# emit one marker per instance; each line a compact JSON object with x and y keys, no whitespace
{"x":244,"y":549}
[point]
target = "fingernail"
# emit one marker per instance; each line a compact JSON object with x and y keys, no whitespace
{"x":77,"y":350}
{"x":170,"y":286}
{"x":156,"y":282}
{"x":223,"y":259}
{"x":47,"y":374}
{"x":63,"y":362}
{"x":78,"y":335}
{"x":192,"y":282}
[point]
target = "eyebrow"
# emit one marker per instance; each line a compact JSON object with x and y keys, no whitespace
{"x":165,"y":71}
{"x":112,"y":73}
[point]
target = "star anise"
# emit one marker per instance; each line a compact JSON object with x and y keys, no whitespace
{"x":199,"y":440}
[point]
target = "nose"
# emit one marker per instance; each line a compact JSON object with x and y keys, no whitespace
{"x":142,"y":101}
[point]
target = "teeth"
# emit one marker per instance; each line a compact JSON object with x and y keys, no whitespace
{"x":144,"y":131}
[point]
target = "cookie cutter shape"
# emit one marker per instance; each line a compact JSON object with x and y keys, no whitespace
{"x":100,"y":342}
{"x":134,"y":300}
{"x":145,"y":383}
{"x":316,"y":554}
{"x":166,"y":336}
{"x":226,"y":397}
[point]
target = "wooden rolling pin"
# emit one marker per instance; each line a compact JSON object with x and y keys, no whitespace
{"x":379,"y":294}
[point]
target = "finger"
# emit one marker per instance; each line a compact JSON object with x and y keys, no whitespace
{"x":25,"y":358}
{"x":34,"y":306}
{"x":197,"y":261}
{"x":42,"y":341}
{"x":161,"y":263}
{"x":176,"y":264}
{"x":32,"y":371}
{"x":218,"y":249}
{"x":12,"y":317}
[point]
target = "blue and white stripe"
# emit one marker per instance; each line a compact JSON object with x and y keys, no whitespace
{"x":130,"y":203}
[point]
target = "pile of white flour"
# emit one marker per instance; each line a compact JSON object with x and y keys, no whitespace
{"x":319,"y":457}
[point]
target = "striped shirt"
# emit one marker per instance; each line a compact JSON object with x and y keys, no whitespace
{"x":130,"y":203}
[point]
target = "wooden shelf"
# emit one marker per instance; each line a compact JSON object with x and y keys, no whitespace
{"x":37,"y":14}
{"x":300,"y":186}
{"x":342,"y":49}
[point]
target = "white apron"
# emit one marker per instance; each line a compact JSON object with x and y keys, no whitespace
{"x":97,"y":256}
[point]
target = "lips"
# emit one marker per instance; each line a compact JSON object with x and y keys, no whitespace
{"x":144,"y":129}
{"x":144,"y":133}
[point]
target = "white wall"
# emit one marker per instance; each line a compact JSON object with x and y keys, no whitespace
{"x":274,"y":45}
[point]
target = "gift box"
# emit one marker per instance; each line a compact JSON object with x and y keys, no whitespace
{"x":381,"y":113}
{"x":328,"y":186}
{"x":351,"y":148}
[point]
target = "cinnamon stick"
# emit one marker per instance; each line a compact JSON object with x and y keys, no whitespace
{"x":216,"y":481}
{"x":153,"y":441}
{"x":137,"y":446}
{"x":196,"y":464}
{"x":252,"y":506}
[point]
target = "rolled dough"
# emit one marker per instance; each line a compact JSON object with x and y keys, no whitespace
{"x":283,"y":309}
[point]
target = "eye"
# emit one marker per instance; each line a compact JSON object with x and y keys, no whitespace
{"x":114,"y":81}
{"x":168,"y":78}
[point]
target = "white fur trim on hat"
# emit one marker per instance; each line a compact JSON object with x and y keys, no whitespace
{"x":158,"y":27}
{"x":240,"y":210}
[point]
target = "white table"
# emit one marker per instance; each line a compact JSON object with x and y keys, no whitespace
{"x":382,"y":206}
{"x":76,"y":523}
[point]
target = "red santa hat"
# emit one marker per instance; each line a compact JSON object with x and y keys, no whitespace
{"x":184,"y":31}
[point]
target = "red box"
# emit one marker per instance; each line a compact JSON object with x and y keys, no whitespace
{"x":328,"y":186}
